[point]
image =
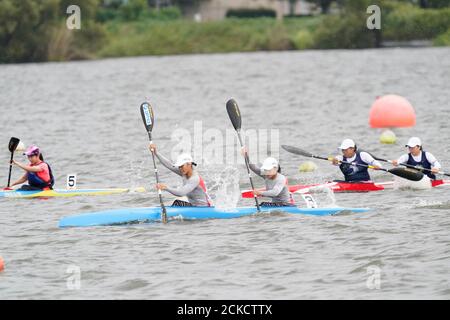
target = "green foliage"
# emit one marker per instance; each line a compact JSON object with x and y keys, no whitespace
{"x":443,"y":39}
{"x":36,"y":31}
{"x":347,"y":30}
{"x":303,"y":39}
{"x":24,"y":28}
{"x":399,"y":21}
{"x":409,"y":23}
{"x":133,"y":9}
{"x":439,"y":3}
{"x":251,"y":13}
{"x":106,"y":14}
{"x":180,"y":36}
{"x":164,"y":14}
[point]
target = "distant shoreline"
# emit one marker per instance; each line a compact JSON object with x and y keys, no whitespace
{"x":404,"y":26}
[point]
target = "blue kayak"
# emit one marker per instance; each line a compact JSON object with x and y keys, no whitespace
{"x":153,"y":214}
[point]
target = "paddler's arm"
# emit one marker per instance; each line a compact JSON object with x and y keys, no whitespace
{"x":435,"y":165}
{"x":402,"y":159}
{"x":255,"y":169}
{"x":23,"y":179}
{"x":184,"y":190}
{"x":367,"y":158}
{"x":252,"y":167}
{"x":275,"y":191}
{"x":336,"y":160}
{"x":164,"y":161}
{"x":28,"y":168}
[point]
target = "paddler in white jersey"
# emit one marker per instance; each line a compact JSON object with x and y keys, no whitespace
{"x":193,"y":187}
{"x":355,"y":172}
{"x":417,"y":157}
{"x":276,"y":183}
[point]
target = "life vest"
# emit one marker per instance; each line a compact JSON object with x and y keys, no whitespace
{"x":203,"y":187}
{"x":355,"y":173}
{"x":423,"y":163}
{"x":37,"y":179}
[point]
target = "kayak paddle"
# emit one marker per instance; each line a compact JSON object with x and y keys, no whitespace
{"x":148,"y":117}
{"x":405,"y":173}
{"x":412,"y":167}
{"x":235,"y":117}
{"x":13,"y":143}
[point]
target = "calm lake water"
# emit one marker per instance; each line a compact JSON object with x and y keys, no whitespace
{"x":85,"y":116}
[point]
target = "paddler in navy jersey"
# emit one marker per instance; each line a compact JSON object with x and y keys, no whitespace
{"x":194,"y":188}
{"x":276,"y":183}
{"x":38,"y":173}
{"x":351,"y":154}
{"x":419,"y":158}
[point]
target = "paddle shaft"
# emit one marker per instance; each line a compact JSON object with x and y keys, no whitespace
{"x":247,"y":164}
{"x":163,"y":207}
{"x":10,"y":169}
{"x":413,"y":167}
{"x":350,"y":163}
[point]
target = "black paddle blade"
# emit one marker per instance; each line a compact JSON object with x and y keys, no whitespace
{"x":234,"y":114}
{"x":147,"y":116}
{"x":13,"y":143}
{"x":406,"y":173}
{"x":296,"y":150}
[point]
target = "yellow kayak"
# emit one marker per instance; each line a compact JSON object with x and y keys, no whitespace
{"x":65,"y":192}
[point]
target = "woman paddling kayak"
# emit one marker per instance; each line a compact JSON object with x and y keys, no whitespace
{"x":194,"y":188}
{"x":351,"y":154}
{"x":419,"y":158}
{"x":276,"y":183}
{"x":38,"y":173}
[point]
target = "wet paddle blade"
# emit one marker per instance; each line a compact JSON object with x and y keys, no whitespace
{"x":406,"y":173}
{"x":147,"y":116}
{"x":298,"y":151}
{"x":13,"y":143}
{"x":234,"y":114}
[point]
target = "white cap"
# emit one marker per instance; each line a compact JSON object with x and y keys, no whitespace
{"x":269,"y":164}
{"x":414,"y":141}
{"x":183,"y":159}
{"x":347,"y":143}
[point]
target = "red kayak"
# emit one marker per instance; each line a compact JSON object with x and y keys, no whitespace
{"x":342,"y":186}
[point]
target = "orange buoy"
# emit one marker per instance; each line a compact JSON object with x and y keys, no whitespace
{"x":2,"y":264}
{"x":392,"y":111}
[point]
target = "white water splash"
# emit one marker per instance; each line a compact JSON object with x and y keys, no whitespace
{"x":224,"y":188}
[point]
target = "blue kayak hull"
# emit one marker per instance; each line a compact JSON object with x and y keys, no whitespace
{"x":151,"y":214}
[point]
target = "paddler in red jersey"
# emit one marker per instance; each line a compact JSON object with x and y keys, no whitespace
{"x":355,"y":170}
{"x":38,"y":173}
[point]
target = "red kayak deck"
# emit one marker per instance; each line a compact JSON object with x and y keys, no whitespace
{"x":339,"y":186}
{"x":347,"y":187}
